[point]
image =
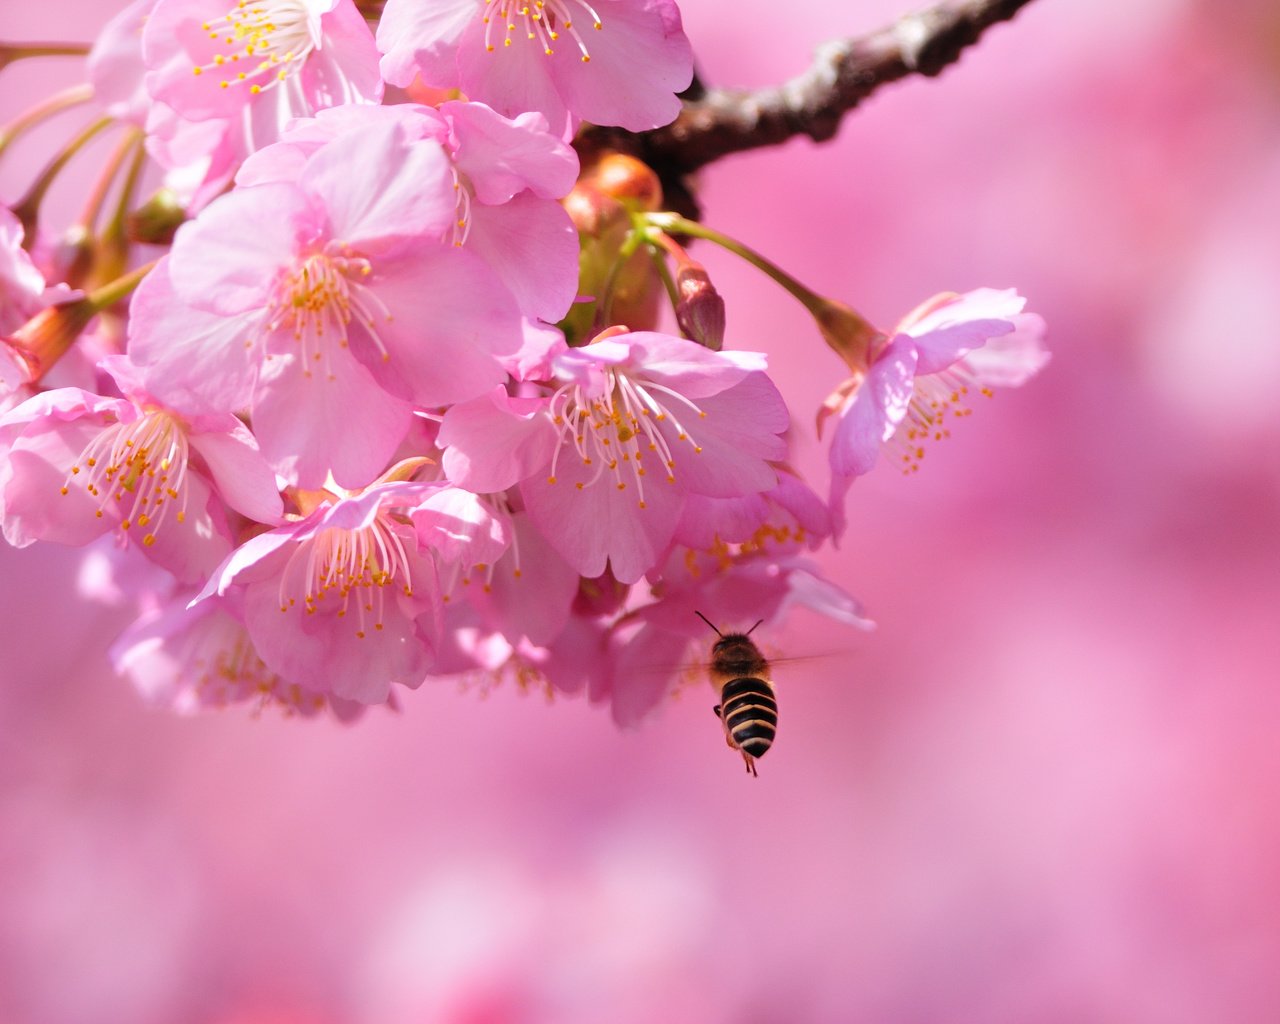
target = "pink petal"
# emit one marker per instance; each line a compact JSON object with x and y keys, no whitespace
{"x":502,"y":157}
{"x":639,"y":60}
{"x":228,"y":258}
{"x":872,"y":414}
{"x":495,"y":441}
{"x":450,"y":318}
{"x":403,"y":195}
{"x":422,"y":38}
{"x":304,"y":423}
{"x":183,"y":351}
{"x":532,"y":246}
{"x":601,"y":525}
{"x":240,"y":472}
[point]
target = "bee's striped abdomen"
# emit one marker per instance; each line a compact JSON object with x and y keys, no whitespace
{"x":750,"y":714}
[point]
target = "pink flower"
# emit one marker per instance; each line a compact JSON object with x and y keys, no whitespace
{"x":74,"y":466}
{"x":947,"y":351}
{"x":258,"y":64}
{"x":638,"y":422}
{"x":344,"y":600}
{"x":617,"y":62}
{"x":507,"y":175}
{"x":189,"y":660}
{"x":328,"y":301}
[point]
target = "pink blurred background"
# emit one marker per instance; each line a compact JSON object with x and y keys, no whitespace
{"x":1046,"y":789}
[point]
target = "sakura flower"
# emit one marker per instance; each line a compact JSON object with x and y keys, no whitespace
{"x":636,"y":424}
{"x":617,"y":62}
{"x":78,"y":465}
{"x":946,"y":352}
{"x":189,"y":660}
{"x":506,"y":173}
{"x":328,"y":301}
{"x":343,"y":600}
{"x":258,"y":64}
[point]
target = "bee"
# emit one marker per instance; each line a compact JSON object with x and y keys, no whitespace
{"x":748,"y":708}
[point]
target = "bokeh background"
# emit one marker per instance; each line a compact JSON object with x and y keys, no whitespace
{"x":1046,"y":789}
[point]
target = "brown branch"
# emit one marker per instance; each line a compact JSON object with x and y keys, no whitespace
{"x":843,"y":74}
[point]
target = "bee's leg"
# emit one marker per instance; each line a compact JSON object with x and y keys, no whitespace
{"x":751,"y":763}
{"x":716,"y":709}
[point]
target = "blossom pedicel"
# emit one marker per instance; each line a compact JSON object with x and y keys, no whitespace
{"x":398,"y":402}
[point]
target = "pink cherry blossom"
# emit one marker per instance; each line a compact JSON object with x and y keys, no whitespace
{"x":637,"y":423}
{"x":507,"y":175}
{"x":258,"y":64}
{"x":925,"y":375}
{"x":74,"y":466}
{"x":618,"y":62}
{"x":344,"y":600}
{"x":188,"y":660}
{"x":326,"y":301}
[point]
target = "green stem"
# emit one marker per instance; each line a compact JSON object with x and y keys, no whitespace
{"x":113,"y":291}
{"x":849,"y":334}
{"x":679,"y":225}
{"x":604,"y":314}
{"x":55,"y":104}
{"x":98,"y":195}
{"x":10,"y":52}
{"x":130,"y":187}
{"x":28,"y":207}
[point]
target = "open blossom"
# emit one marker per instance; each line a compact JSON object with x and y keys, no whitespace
{"x":326,"y":301}
{"x":258,"y":64}
{"x":944,"y":354}
{"x":507,"y":175}
{"x":345,"y":599}
{"x":194,"y":659}
{"x":78,"y":465}
{"x":637,"y":423}
{"x":616,"y":62}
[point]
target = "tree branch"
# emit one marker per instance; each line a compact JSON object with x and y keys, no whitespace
{"x":720,"y":122}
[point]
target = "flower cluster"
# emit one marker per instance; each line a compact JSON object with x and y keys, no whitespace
{"x":395,"y":404}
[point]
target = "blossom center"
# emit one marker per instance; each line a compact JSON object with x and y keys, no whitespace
{"x":620,"y":431}
{"x":317,"y":301}
{"x":261,"y":43}
{"x":350,"y":568}
{"x":936,"y":400}
{"x":138,"y":470}
{"x":544,"y":23}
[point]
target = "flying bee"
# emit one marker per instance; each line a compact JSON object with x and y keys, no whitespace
{"x":748,"y":708}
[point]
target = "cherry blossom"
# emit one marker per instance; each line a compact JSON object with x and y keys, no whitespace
{"x":617,"y":62}
{"x":75,"y":465}
{"x":637,"y":422}
{"x":343,"y":599}
{"x":326,"y":300}
{"x":924,"y":376}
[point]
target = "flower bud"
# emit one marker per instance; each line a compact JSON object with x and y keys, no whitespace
{"x":700,"y":309}
{"x":624,"y":178}
{"x":156,"y":220}
{"x":45,"y":338}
